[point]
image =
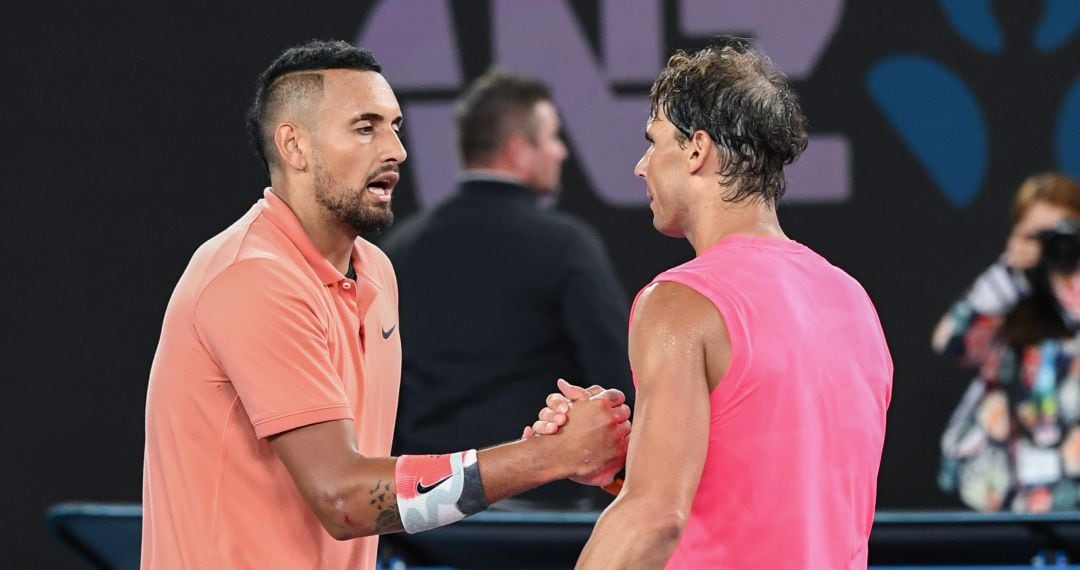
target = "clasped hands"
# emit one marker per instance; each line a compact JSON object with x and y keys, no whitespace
{"x":608,"y":408}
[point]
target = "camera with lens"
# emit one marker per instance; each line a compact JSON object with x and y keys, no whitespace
{"x":1061,"y":247}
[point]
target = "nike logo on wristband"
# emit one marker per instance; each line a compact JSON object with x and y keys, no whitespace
{"x":421,"y":488}
{"x":387,"y":333}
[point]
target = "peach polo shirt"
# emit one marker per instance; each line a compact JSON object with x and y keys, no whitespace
{"x":262,"y":335}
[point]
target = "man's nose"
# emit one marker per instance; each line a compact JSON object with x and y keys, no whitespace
{"x":395,"y":151}
{"x":642,"y":163}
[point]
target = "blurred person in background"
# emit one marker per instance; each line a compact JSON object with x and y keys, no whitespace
{"x":500,"y":295}
{"x":1013,"y":443}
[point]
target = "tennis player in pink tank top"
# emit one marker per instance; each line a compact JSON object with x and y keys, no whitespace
{"x":762,"y":372}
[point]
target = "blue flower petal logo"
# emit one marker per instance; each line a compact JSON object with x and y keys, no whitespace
{"x":974,"y":21}
{"x":1060,"y":19}
{"x":1068,"y":131}
{"x":938,"y":118}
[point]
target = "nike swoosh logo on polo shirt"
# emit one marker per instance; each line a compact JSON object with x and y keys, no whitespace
{"x":387,"y":333}
{"x":421,"y":488}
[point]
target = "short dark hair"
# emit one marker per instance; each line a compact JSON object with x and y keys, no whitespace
{"x":737,"y":96}
{"x":284,"y":81}
{"x":494,"y":107}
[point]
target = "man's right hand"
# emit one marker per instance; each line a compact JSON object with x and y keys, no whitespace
{"x":577,"y":402}
{"x":557,"y":404}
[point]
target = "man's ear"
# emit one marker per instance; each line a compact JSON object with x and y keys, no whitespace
{"x":700,"y":149}
{"x":516,"y":150}
{"x":290,"y":142}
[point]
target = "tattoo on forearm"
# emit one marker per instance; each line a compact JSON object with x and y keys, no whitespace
{"x":389,"y":520}
{"x":384,"y":499}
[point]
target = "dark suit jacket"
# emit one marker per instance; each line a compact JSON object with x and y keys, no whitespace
{"x":498,"y":298}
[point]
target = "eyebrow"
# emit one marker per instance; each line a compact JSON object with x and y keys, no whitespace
{"x":376,"y":118}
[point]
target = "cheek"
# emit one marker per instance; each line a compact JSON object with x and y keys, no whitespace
{"x":1015,"y":239}
{"x":654,"y":172}
{"x":556,"y":153}
{"x":1024,"y":243}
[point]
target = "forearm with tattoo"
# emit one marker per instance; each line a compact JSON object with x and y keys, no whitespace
{"x":384,"y":499}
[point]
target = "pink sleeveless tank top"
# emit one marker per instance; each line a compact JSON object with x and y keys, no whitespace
{"x":798,"y":422}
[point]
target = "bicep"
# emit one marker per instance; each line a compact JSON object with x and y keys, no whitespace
{"x":668,"y":445}
{"x":671,"y":418}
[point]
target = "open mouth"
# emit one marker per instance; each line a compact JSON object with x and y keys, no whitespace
{"x":383,"y":185}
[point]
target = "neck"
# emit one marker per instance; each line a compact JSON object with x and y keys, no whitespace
{"x":332,"y":237}
{"x":494,"y":172}
{"x":752,"y":218}
{"x":470,"y":174}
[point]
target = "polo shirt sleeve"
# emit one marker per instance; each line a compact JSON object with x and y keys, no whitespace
{"x":265,"y":329}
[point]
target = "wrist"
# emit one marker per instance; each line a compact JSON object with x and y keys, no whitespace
{"x":436,"y":490}
{"x":549,"y":458}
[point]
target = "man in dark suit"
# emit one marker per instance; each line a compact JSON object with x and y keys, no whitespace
{"x":499,"y":295}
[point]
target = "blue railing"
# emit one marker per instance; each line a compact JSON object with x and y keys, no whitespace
{"x":108,"y":535}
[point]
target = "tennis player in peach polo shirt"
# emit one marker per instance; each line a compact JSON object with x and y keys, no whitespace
{"x":272,"y":396}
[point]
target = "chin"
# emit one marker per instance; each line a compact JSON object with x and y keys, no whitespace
{"x":667,"y":230}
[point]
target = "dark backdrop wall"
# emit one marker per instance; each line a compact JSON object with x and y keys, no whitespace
{"x":125,"y":150}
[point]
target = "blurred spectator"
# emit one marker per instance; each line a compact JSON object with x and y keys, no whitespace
{"x":1013,"y":443}
{"x":500,"y":296}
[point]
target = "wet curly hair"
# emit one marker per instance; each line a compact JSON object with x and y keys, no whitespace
{"x":736,"y":95}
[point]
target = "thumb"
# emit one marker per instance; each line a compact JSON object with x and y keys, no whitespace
{"x":571,"y":391}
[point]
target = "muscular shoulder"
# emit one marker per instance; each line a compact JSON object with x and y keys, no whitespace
{"x":672,"y":322}
{"x":674,"y":305}
{"x":250,"y":258}
{"x":264,"y":277}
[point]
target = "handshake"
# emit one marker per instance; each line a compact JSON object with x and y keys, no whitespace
{"x":591,"y":427}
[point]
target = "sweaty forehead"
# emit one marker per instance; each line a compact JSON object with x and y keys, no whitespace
{"x":659,"y":115}
{"x":352,"y":92}
{"x":656,"y":121}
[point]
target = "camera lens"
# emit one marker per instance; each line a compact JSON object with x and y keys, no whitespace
{"x":1061,"y":247}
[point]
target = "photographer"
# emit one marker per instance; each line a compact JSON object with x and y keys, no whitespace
{"x":1013,"y":442}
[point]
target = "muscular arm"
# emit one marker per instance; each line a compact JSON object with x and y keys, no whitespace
{"x":265,"y":331}
{"x":354,"y":495}
{"x":677,"y":343}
